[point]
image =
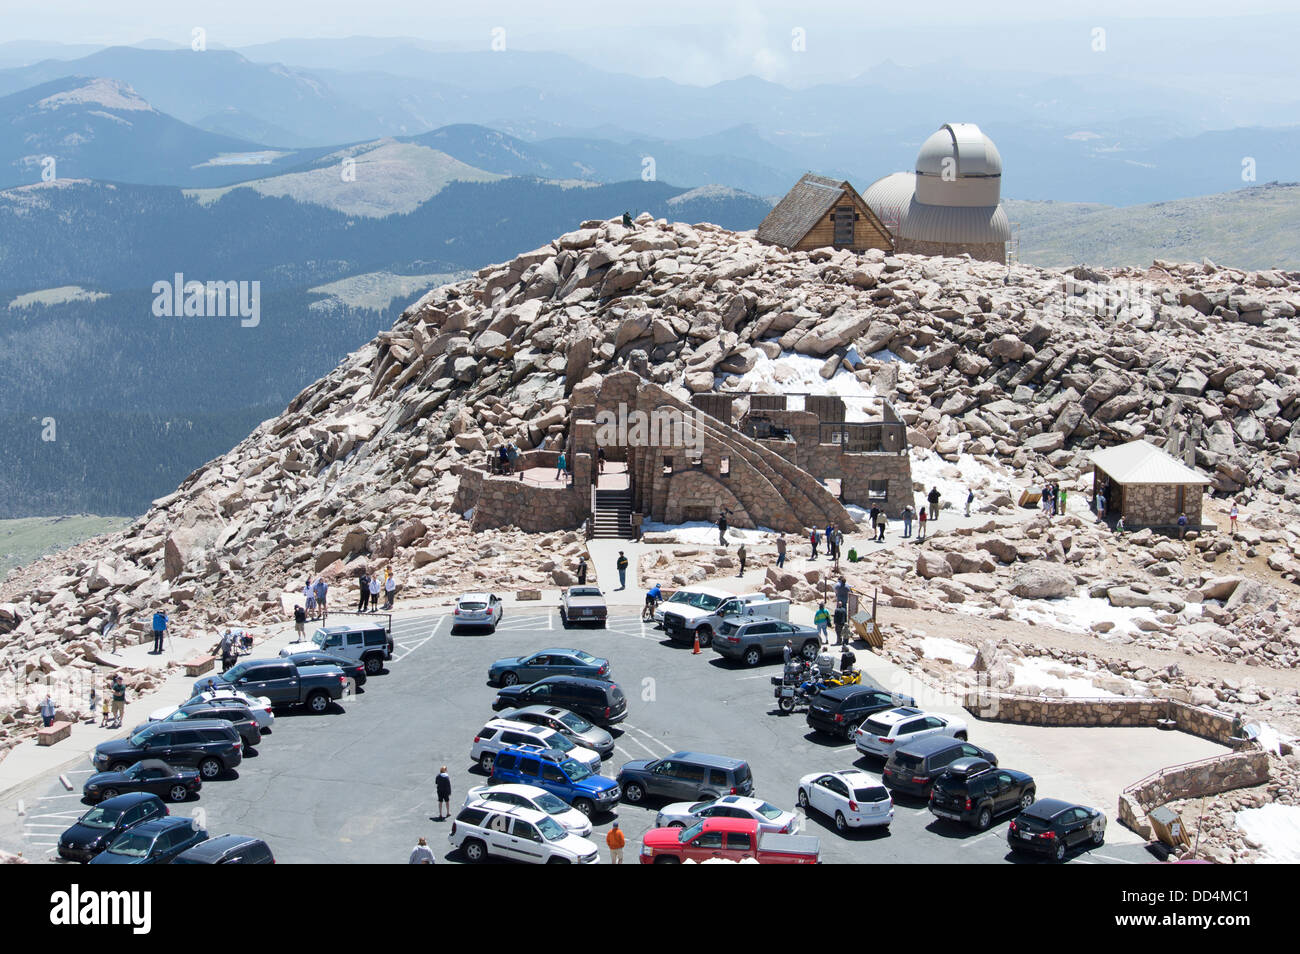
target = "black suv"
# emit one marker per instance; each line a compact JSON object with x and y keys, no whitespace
{"x":912,"y":768}
{"x":234,"y":713}
{"x":210,"y":745}
{"x":973,"y":791}
{"x":597,"y":700}
{"x":840,"y":710}
{"x":227,"y":850}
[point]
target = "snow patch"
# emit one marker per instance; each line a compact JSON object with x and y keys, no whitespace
{"x":1042,"y":673}
{"x":1276,"y":828}
{"x":802,"y":373}
{"x":936,"y":647}
{"x":1078,"y":613}
{"x":700,"y":533}
{"x":954,"y":479}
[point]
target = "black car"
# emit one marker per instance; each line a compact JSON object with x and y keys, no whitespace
{"x":913,"y":767}
{"x":98,"y":828}
{"x":973,"y":791}
{"x":1051,"y":827}
{"x":155,"y":842}
{"x":227,"y":850}
{"x":233,"y":712}
{"x":355,"y":669}
{"x":596,"y":700}
{"x":209,"y":745}
{"x":841,"y":709}
{"x":148,"y":775}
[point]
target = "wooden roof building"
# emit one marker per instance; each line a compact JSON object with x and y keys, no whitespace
{"x":820,"y":213}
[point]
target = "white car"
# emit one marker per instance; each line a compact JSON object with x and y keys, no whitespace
{"x":852,"y":798}
{"x":258,"y":706}
{"x":532,"y":797}
{"x":883,"y":732}
{"x":502,"y":733}
{"x":769,"y":817}
{"x":517,"y":833}
{"x":477,"y":609}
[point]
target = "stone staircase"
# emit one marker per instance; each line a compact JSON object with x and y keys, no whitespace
{"x":612,"y":518}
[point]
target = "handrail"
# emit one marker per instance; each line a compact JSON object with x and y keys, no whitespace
{"x":1161,"y":773}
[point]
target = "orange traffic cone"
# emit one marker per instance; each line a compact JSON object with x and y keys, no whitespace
{"x":696,"y":650}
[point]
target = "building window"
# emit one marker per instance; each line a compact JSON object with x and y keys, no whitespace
{"x":877,"y":490}
{"x":668,"y":466}
{"x":724,"y":467}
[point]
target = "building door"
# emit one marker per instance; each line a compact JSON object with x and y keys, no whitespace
{"x":843,"y":218}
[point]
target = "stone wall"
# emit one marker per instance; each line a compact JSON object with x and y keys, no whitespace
{"x":1156,"y":505}
{"x":507,"y":501}
{"x":1222,"y":773}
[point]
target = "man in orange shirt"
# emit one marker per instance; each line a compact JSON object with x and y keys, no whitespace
{"x":615,"y":841}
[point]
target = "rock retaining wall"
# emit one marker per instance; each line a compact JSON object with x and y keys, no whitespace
{"x":1222,"y":773}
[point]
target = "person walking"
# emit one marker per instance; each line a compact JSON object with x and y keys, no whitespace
{"x":920,"y":525}
{"x":119,"y":700}
{"x":787,"y":652}
{"x":159,"y":631}
{"x":881,"y":522}
{"x":970,"y":499}
{"x":841,"y":620}
{"x":422,"y":854}
{"x":443,"y":785}
{"x":830,"y":542}
{"x":600,"y":460}
{"x":299,"y":620}
{"x":103,"y":723}
{"x":615,"y":841}
{"x":47,"y":711}
{"x":908,"y":514}
{"x":822,"y":619}
{"x":722,"y":529}
{"x":780,"y":551}
{"x":1232,"y":518}
{"x":582,"y":571}
{"x":363,"y":581}
{"x":812,"y":538}
{"x":621,"y":566}
{"x":742,"y":553}
{"x":227,"y":650}
{"x":842,"y":592}
{"x":390,"y":588}
{"x":373,"y":586}
{"x":561,"y":466}
{"x":934,"y":503}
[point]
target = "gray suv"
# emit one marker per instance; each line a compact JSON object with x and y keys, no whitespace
{"x":686,"y":776}
{"x":751,"y":638}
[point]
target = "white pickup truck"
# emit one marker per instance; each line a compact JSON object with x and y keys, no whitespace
{"x":699,"y":610}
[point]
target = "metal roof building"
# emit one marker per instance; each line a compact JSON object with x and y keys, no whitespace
{"x":950,"y":203}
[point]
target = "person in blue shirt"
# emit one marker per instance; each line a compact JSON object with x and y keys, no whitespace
{"x":652,"y":598}
{"x":159,"y":631}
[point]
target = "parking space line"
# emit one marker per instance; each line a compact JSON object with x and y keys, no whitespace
{"x":626,"y":754}
{"x":991,"y":833}
{"x":667,"y":749}
{"x":42,"y":825}
{"x":1122,"y":861}
{"x":653,"y":754}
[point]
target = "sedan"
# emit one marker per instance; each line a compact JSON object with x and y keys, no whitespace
{"x":352,"y":668}
{"x":258,"y":706}
{"x":548,"y":662}
{"x":98,"y":828}
{"x":1051,"y":827}
{"x":769,"y":817}
{"x":148,"y":775}
{"x":579,"y":730}
{"x":477,"y":609}
{"x":155,"y":842}
{"x":530,"y":796}
{"x":853,"y":799}
{"x":583,"y":604}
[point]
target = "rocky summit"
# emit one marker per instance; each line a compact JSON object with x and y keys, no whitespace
{"x":1020,"y":369}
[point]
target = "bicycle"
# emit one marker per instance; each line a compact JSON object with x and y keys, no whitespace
{"x":648,"y":612}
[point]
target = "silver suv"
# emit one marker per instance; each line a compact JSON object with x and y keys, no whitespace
{"x":502,"y":733}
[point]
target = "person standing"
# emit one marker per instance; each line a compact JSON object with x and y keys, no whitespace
{"x":299,"y":620}
{"x":159,"y":631}
{"x":787,"y":652}
{"x":1062,"y":498}
{"x":841,"y":621}
{"x":227,"y":651}
{"x":390,"y":588}
{"x":822,"y":619}
{"x":812,"y":538}
{"x":830,"y":542}
{"x":615,"y":841}
{"x":422,"y":854}
{"x":309,"y":594}
{"x":119,"y":700}
{"x":970,"y":499}
{"x":780,"y":551}
{"x":1232,"y":518}
{"x":600,"y":460}
{"x":582,"y":571}
{"x":722,"y":529}
{"x":374,"y":593}
{"x":47,"y":711}
{"x":934,"y":503}
{"x":908,"y":514}
{"x":842,"y":592}
{"x":364,"y":583}
{"x":621,"y":566}
{"x":742,"y":553}
{"x":1101,"y":506}
{"x":920,"y":525}
{"x":443,"y":785}
{"x":322,"y":593}
{"x":561,"y":466}
{"x":1182,"y":526}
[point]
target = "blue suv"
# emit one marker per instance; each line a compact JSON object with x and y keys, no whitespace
{"x":560,"y":775}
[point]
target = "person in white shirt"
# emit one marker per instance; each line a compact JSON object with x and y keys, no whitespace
{"x":390,"y":591}
{"x":422,"y":854}
{"x":374,"y":593}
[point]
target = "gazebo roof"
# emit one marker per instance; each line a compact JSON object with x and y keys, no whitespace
{"x":1139,"y":462}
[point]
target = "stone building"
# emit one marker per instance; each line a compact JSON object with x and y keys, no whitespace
{"x":823,"y":213}
{"x":1147,"y":486}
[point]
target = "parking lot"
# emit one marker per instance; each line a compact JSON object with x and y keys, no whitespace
{"x":357,"y":784}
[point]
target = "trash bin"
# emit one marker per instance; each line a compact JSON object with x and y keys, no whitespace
{"x":1168,"y":826}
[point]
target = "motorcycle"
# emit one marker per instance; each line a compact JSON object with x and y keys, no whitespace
{"x":796,"y":688}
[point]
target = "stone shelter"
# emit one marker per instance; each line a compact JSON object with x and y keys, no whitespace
{"x":1147,"y":486}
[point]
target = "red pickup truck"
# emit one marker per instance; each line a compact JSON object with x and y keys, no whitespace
{"x":730,"y":839}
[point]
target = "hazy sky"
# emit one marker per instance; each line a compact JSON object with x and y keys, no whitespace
{"x":687,"y":40}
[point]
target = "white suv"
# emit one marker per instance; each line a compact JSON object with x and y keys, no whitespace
{"x":503,"y":733}
{"x":883,"y":732}
{"x":511,"y":796}
{"x":518,"y":833}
